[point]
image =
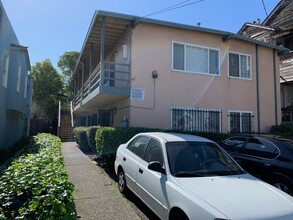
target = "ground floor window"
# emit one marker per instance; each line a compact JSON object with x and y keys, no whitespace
{"x":240,"y":121}
{"x":195,"y":119}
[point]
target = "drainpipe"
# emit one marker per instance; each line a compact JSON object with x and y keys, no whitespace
{"x":257,"y":89}
{"x":275,"y":88}
{"x":102,"y":50}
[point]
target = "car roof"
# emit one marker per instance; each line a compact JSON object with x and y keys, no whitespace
{"x":170,"y":137}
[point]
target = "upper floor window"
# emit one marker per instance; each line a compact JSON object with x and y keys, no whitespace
{"x":18,"y":77}
{"x":239,"y":65}
{"x":4,"y":75}
{"x":195,"y":59}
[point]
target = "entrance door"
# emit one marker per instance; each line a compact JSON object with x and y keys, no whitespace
{"x":106,"y":117}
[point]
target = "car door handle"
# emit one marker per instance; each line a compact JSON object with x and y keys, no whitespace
{"x":140,"y":170}
{"x":124,"y":159}
{"x":267,"y":165}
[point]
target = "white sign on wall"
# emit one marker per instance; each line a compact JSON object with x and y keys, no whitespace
{"x":137,"y":94}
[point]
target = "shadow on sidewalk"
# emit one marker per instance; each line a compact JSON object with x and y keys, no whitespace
{"x":140,"y":208}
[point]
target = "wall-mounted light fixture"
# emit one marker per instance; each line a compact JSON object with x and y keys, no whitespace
{"x":155,"y":74}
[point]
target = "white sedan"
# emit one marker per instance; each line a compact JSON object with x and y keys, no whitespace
{"x":188,"y":177}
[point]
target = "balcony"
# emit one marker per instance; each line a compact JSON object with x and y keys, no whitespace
{"x":107,"y":84}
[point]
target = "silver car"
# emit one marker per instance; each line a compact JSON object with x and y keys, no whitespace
{"x":188,"y":177}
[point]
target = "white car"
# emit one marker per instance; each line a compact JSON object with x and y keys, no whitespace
{"x":188,"y":177}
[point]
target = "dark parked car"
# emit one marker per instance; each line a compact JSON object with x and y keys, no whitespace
{"x":269,"y":159}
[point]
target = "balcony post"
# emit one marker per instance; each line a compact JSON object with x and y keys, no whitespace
{"x":102,"y":50}
{"x":90,"y":66}
{"x":82,"y":81}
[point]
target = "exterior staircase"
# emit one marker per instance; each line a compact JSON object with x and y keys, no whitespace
{"x":65,"y":128}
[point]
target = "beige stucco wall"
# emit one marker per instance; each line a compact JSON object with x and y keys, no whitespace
{"x":152,"y":50}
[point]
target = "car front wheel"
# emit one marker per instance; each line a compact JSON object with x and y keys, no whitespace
{"x":122,"y":182}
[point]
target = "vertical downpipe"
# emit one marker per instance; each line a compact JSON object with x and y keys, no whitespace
{"x":257,"y":89}
{"x":275,"y":88}
{"x":102,"y":51}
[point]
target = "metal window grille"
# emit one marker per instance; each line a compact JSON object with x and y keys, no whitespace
{"x":240,"y":122}
{"x":195,"y":119}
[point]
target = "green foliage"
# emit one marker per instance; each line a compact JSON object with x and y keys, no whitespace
{"x":284,"y":130}
{"x":80,"y":136}
{"x":91,"y":137}
{"x":108,"y":139}
{"x":48,"y":87}
{"x":85,"y":137}
{"x":36,"y":186}
{"x":67,"y":63}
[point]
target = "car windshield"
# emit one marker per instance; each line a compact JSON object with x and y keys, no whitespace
{"x":197,"y":159}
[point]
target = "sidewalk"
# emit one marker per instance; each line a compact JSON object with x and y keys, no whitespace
{"x":96,"y":197}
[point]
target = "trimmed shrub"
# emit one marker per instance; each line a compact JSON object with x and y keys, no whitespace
{"x":108,"y":139}
{"x":284,"y":130}
{"x":36,"y":186}
{"x":80,"y":137}
{"x":91,"y":137}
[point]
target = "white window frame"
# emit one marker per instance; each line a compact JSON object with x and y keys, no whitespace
{"x":241,"y":112}
{"x":200,"y":47}
{"x":5,"y":71}
{"x":18,"y":77}
{"x":250,"y":66}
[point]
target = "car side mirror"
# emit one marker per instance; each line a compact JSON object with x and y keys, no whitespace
{"x":156,"y":166}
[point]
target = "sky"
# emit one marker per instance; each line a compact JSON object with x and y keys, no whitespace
{"x":51,"y":27}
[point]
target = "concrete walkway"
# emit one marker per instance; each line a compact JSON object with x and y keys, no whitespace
{"x":96,"y":196}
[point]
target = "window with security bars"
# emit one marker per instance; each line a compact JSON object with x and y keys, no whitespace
{"x":195,"y":119}
{"x":240,"y":122}
{"x":239,"y":65}
{"x":195,"y":59}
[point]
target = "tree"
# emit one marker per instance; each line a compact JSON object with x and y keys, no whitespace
{"x":47,"y":88}
{"x":67,"y":63}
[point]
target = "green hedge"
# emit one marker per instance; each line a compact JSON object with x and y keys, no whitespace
{"x":85,"y":137}
{"x":35,"y":185}
{"x":80,"y":137}
{"x":283,"y":130}
{"x":91,"y":137}
{"x":108,"y":139}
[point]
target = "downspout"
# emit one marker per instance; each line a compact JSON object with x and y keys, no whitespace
{"x":257,"y":88}
{"x":102,"y":51}
{"x":275,"y":88}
